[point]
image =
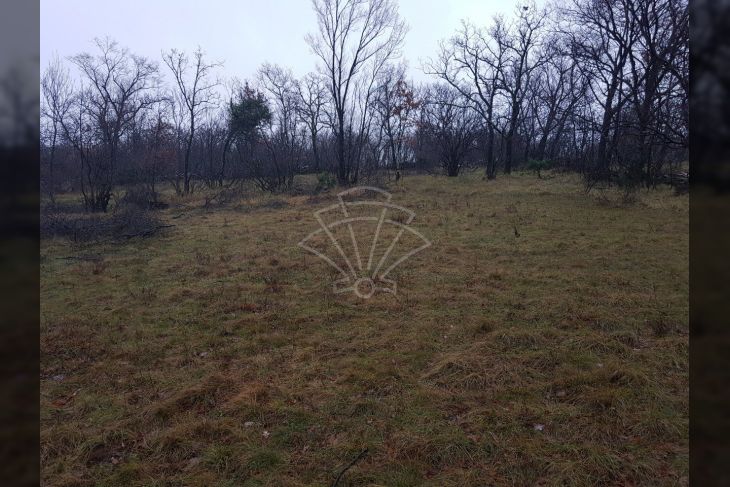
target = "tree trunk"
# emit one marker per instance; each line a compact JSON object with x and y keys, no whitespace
{"x":541,"y":146}
{"x":342,"y":175}
{"x":186,"y":176}
{"x":315,"y":151}
{"x":509,"y":138}
{"x":491,"y":165}
{"x":51,"y":182}
{"x":602,"y":156}
{"x":226,"y":146}
{"x":508,"y":153}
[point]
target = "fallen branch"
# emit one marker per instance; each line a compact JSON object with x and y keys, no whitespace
{"x":349,"y":466}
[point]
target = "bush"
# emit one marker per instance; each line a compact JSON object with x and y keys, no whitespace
{"x":325,"y":181}
{"x":538,"y":165}
{"x":142,"y":197}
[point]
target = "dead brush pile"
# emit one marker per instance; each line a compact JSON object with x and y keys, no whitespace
{"x":121,"y":224}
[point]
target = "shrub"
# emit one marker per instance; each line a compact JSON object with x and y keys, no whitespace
{"x":142,"y":197}
{"x":538,"y":165}
{"x":325,"y":181}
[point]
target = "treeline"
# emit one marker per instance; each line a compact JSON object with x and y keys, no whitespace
{"x":595,"y":86}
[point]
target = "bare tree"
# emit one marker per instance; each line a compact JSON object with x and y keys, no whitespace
{"x":213,"y":139}
{"x":57,"y":93}
{"x":195,"y":94}
{"x":394,"y":102}
{"x":472,"y":62}
{"x":355,"y":37}
{"x":657,"y":77}
{"x":522,"y":45}
{"x":451,"y":124}
{"x":158,"y":153}
{"x":557,"y":90}
{"x":311,"y":105}
{"x":118,"y":88}
{"x":602,"y":36}
{"x":284,"y":137}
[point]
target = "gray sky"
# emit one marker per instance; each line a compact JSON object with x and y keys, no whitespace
{"x":242,"y":33}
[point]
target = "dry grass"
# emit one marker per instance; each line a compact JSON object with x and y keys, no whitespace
{"x":216,"y":354}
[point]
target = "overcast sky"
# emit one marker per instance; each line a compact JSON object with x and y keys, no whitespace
{"x":241,"y":33}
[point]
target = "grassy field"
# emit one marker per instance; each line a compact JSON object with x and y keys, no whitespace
{"x":541,"y":340}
